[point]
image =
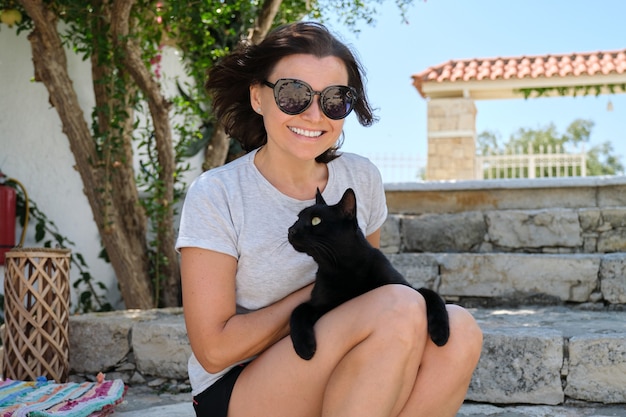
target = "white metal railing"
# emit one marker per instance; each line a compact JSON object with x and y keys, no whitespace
{"x":396,"y":167}
{"x":549,"y":162}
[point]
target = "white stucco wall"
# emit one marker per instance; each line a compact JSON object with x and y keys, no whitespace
{"x":34,"y":150}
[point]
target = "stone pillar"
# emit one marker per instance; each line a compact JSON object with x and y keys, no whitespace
{"x":451,"y":139}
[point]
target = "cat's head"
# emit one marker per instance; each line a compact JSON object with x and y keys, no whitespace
{"x":321,"y":229}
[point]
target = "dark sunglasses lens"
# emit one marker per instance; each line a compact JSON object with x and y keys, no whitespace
{"x":293,"y":97}
{"x":338,"y":101}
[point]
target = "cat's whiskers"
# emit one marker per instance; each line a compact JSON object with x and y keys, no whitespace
{"x":325,"y":249}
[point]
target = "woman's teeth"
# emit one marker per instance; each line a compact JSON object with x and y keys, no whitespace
{"x":307,"y":133}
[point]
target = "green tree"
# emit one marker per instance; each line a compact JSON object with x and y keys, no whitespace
{"x":600,"y":160}
{"x":122,"y":39}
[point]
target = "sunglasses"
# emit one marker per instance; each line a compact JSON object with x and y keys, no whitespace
{"x":295,"y":96}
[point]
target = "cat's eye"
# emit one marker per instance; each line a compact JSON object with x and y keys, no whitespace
{"x":315,"y":221}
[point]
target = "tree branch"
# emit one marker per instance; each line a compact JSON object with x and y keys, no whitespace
{"x":263,"y":23}
{"x":159,"y":111}
{"x":217,"y":150}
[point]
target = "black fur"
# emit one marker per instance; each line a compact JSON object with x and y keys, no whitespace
{"x":348,"y":266}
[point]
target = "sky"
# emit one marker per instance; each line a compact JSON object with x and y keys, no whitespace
{"x":441,"y":30}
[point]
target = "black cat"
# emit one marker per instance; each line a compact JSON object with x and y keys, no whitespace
{"x":348,"y":266}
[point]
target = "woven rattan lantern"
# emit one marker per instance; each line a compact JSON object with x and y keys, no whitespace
{"x":36,"y":304}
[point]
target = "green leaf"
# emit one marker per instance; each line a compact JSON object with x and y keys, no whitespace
{"x":40,"y":231}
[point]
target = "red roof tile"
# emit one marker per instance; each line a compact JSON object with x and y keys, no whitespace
{"x":546,"y":66}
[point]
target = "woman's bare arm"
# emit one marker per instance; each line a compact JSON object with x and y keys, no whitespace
{"x":219,"y":337}
{"x":374,"y":239}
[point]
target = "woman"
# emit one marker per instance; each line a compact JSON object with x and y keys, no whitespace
{"x":285,"y":100}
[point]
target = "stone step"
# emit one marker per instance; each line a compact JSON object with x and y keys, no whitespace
{"x":576,"y":215}
{"x":543,"y":355}
{"x":518,"y":278}
{"x":532,"y":355}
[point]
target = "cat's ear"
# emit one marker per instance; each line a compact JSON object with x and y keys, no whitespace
{"x":348,"y":203}
{"x":318,"y":197}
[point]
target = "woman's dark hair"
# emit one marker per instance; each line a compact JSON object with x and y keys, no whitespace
{"x":229,"y":80}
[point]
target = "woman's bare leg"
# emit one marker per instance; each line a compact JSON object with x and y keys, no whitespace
{"x":376,"y":377}
{"x":445,"y":374}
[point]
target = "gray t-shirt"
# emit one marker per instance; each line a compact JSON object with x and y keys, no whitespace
{"x":234,"y":210}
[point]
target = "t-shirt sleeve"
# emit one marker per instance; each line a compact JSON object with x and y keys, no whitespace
{"x":206,"y":219}
{"x":378,"y":209}
{"x":358,"y":172}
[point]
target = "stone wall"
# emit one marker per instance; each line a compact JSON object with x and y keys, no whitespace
{"x":557,"y":230}
{"x":514,"y":241}
{"x":149,"y":346}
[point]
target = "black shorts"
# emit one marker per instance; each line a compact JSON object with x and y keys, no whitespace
{"x":213,"y":401}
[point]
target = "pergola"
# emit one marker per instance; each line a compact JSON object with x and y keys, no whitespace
{"x":452,"y":87}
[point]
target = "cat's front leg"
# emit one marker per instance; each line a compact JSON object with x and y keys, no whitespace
{"x":303,"y":319}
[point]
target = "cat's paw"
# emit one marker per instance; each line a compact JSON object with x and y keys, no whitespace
{"x":305,"y":345}
{"x":303,"y":319}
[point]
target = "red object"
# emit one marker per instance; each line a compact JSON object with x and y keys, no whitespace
{"x":8,"y":199}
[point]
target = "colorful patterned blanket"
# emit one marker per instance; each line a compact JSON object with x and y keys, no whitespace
{"x":44,"y":398}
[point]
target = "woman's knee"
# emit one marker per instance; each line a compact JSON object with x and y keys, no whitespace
{"x":466,"y":332}
{"x":402,"y":314}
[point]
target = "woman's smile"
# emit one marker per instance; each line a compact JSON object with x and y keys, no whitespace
{"x":305,"y":132}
